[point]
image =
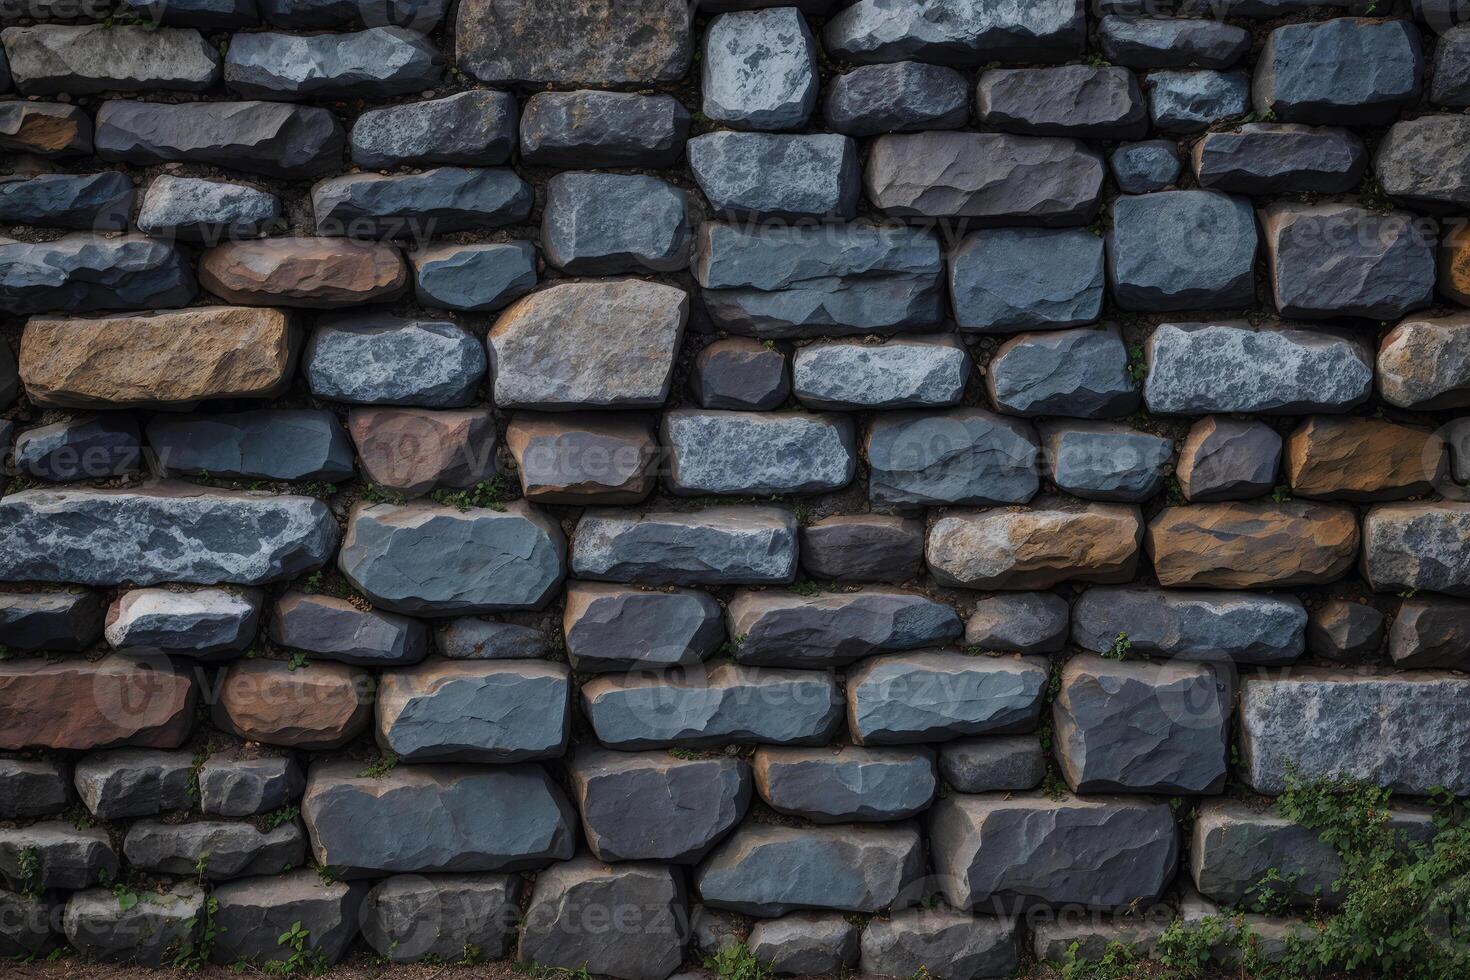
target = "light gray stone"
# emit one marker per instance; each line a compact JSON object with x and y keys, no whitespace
{"x":1342,"y":71}
{"x":1243,"y":627}
{"x":1076,"y":373}
{"x":1189,"y":101}
{"x":1182,"y":250}
{"x":863,"y":548}
{"x":1280,"y":158}
{"x":335,"y":629}
{"x":1071,"y":100}
{"x":761,"y":453}
{"x":1171,"y":42}
{"x":1417,"y":546}
{"x":474,"y":128}
{"x":1105,"y":460}
{"x":1025,"y":622}
{"x":937,"y":695}
{"x":369,"y":359}
{"x":771,"y":175}
{"x":149,"y":933}
{"x":602,"y":224}
{"x":203,"y":624}
{"x":734,"y":545}
{"x":959,"y":456}
{"x":940,"y":941}
{"x":958,"y":32}
{"x":408,"y":918}
{"x":269,"y":444}
{"x":230,"y":787}
{"x":85,"y":59}
{"x":782,"y":629}
{"x":603,"y":129}
{"x":906,"y":372}
{"x":376,"y":63}
{"x":993,"y":763}
{"x":473,"y":278}
{"x":760,"y":69}
{"x":904,"y":97}
{"x":1007,"y":279}
{"x":846,"y":783}
{"x":216,"y":850}
{"x":193,"y":209}
{"x":254,"y":913}
{"x":611,"y":627}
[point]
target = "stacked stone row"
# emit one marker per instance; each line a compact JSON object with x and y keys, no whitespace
{"x":500,"y":485}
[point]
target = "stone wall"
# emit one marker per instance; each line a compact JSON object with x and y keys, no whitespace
{"x":896,"y":483}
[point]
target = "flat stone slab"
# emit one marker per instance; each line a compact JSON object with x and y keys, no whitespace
{"x":409,"y":918}
{"x":86,"y":59}
{"x":377,"y":63}
{"x":464,"y":818}
{"x":957,"y":32}
{"x":836,"y":785}
{"x":164,"y":533}
{"x":773,"y":175}
{"x":1182,"y":250}
{"x":727,"y":703}
{"x":1171,"y":42}
{"x":1403,"y":730}
{"x":1250,"y":545}
{"x":650,"y":806}
{"x":780,"y":629}
{"x":1035,"y":548}
{"x":430,"y":559}
{"x":1007,"y":279}
{"x":998,"y":851}
{"x":475,"y":711}
{"x":1077,"y":373}
{"x":204,"y":624}
{"x":73,"y":704}
{"x":1417,"y":546}
{"x":768,"y":870}
{"x":1104,"y":460}
{"x":335,"y":629}
{"x":585,"y":228}
{"x":863,"y":548}
{"x":906,"y":372}
{"x":270,"y":138}
{"x":1070,"y":100}
{"x":368,"y":359}
{"x":758,"y":453}
{"x":735,"y":545}
{"x":1280,"y":158}
{"x":86,"y":273}
{"x":1239,"y":627}
{"x":269,"y":444}
{"x":614,"y":628}
{"x":1282,"y":370}
{"x":1135,"y":727}
{"x":936,"y":695}
{"x":216,"y":850}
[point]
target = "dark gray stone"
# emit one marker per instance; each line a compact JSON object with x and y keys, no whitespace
{"x":959,"y":456}
{"x":1243,"y":627}
{"x":32,"y":788}
{"x":601,"y":224}
{"x":417,"y":206}
{"x":464,"y":818}
{"x":709,"y":707}
{"x":740,"y":373}
{"x":1105,"y":460}
{"x":1078,"y":373}
{"x":248,"y":787}
{"x":899,"y":98}
{"x":994,"y":177}
{"x":1189,"y":101}
{"x":768,"y":870}
{"x":863,"y":548}
{"x":10,"y":388}
{"x":27,"y":921}
{"x":266,"y":444}
{"x":1345,"y":631}
{"x":648,"y":946}
{"x":1339,"y":72}
{"x":149,"y":933}
{"x":335,"y":629}
{"x":603,"y":129}
{"x":1450,"y":84}
{"x":613,"y":628}
{"x":1280,"y":158}
{"x":777,"y":176}
{"x":1406,"y":731}
{"x":204,"y":624}
{"x":63,"y":621}
{"x":473,"y":278}
{"x":762,"y":453}
{"x":193,"y":209}
{"x":470,"y":129}
{"x":1008,"y":852}
{"x":1091,"y":937}
{"x":805,"y":943}
{"x":1141,"y":168}
{"x":431,"y":560}
{"x":1417,"y":546}
{"x":473,"y":638}
{"x":168,"y":533}
{"x":420,"y":15}
{"x":848,"y":783}
{"x":490,"y":711}
{"x":370,"y":359}
{"x":650,"y":806}
{"x":90,"y":447}
{"x":949,"y":943}
{"x":408,"y":918}
{"x":1233,"y":366}
{"x":905,"y":372}
{"x":1171,"y":42}
{"x":216,"y":850}
{"x":288,"y":141}
{"x":85,"y":59}
{"x":121,"y":783}
{"x":734,"y":545}
{"x":801,"y":281}
{"x":1023,"y":622}
{"x":203,"y":14}
{"x":1334,"y":260}
{"x":1182,"y":250}
{"x":711,"y":931}
{"x":66,"y":857}
{"x":760,"y":69}
{"x":254,"y":913}
{"x":84,"y":273}
{"x":937,"y":695}
{"x":376,"y":63}
{"x":1070,"y":100}
{"x":957,"y":32}
{"x":993,"y":763}
{"x":1431,"y":632}
{"x":93,"y":202}
{"x":1009,"y":279}
{"x":780,"y":629}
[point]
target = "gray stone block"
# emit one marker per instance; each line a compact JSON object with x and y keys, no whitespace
{"x":86,"y":59}
{"x":376,"y":63}
{"x":614,"y":628}
{"x":92,"y":202}
{"x":1280,"y":158}
{"x":1077,"y":373}
{"x":1425,"y":163}
{"x":1342,"y":71}
{"x":734,"y":545}
{"x":32,"y":788}
{"x":335,"y":629}
{"x":369,"y":359}
{"x":1141,"y":168}
{"x":760,"y":453}
{"x":966,"y":33}
{"x":959,"y":456}
{"x":1179,"y":250}
{"x":740,"y":373}
{"x":65,"y":857}
{"x":905,"y":372}
{"x":1105,"y":460}
{"x":601,"y":224}
{"x":28,"y":931}
{"x":121,"y":783}
{"x":1424,"y":364}
{"x":215,"y":850}
{"x":1092,"y":938}
{"x":417,"y":206}
{"x":150,"y":932}
{"x":409,"y":918}
{"x":1190,"y":101}
{"x":230,"y":787}
{"x":805,"y":943}
{"x":908,"y":96}
{"x":1243,"y":627}
{"x":863,"y":548}
{"x":846,"y":783}
{"x":1450,"y":75}
{"x":277,"y":140}
{"x":782,"y":629}
{"x":1417,"y":546}
{"x":581,"y":458}
{"x":1025,"y":622}
{"x":1343,"y":630}
{"x":88,"y":447}
{"x":472,"y":129}
{"x":204,"y":624}
{"x":1228,"y":459}
{"x":1007,"y":279}
{"x":1431,"y":632}
{"x":254,"y":913}
{"x":941,"y":941}
{"x":770,"y":175}
{"x":993,"y":763}
{"x":1171,"y":42}
{"x":760,"y":69}
{"x":270,"y":444}
{"x":473,"y":278}
{"x":64,"y":621}
{"x":937,"y":695}
{"x":603,"y":129}
{"x":1070,"y":100}
{"x":193,"y":209}
{"x":84,"y":273}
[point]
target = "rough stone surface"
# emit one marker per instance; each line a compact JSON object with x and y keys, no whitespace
{"x":586,"y":228}
{"x":409,"y":918}
{"x":270,"y":444}
{"x":377,"y":63}
{"x":203,"y":624}
{"x":1241,"y":627}
{"x":1280,"y":158}
{"x":1072,"y":100}
{"x":805,"y":943}
{"x":1143,"y":167}
{"x":65,"y":857}
{"x":863,"y":548}
{"x":28,"y":925}
{"x":603,"y":129}
{"x":1345,"y":631}
{"x":779,"y":629}
{"x":73,"y":704}
{"x":727,"y":703}
{"x":193,"y":209}
{"x":366,"y":359}
{"x":1104,"y":460}
{"x":769,"y":870}
{"x":1166,"y":42}
{"x":731,"y":545}
{"x":711,"y":452}
{"x":959,"y":456}
{"x":1035,"y":548}
{"x":1252,"y":545}
{"x":475,"y":128}
{"x":474,"y":278}
{"x":254,"y":913}
{"x":579,"y":458}
{"x":32,"y":788}
{"x":740,"y":373}
{"x":614,"y":628}
{"x":1008,"y":279}
{"x":85,"y":273}
{"x":1228,"y":459}
{"x":936,"y":695}
{"x":148,"y":933}
{"x":475,"y":638}
{"x":1233,"y":366}
{"x":992,"y":763}
{"x":958,"y":32}
{"x":649,"y":806}
{"x":224,"y":849}
{"x":317,"y":707}
{"x":1430,"y":632}
{"x":1034,"y":622}
{"x":85,"y":59}
{"x":1425,"y":364}
{"x":269,"y":138}
{"x":62,"y":621}
{"x":1424,"y":163}
{"x":94,"y":202}
{"x":771,"y":175}
{"x":1078,"y":373}
{"x":45,"y":129}
{"x":413,"y":450}
{"x":897,"y":98}
{"x":1454,"y":264}
{"x":84,"y":448}
{"x":247,"y":787}
{"x":835,"y":785}
{"x":437,"y":201}
{"x":1333,"y":457}
{"x":1417,"y":546}
{"x":949,"y":943}
{"x":315,"y":273}
{"x":1450,"y":84}
{"x":335,"y":629}
{"x":1190,"y":101}
{"x":1346,"y":70}
{"x":133,"y":782}
{"x":1179,"y":250}
{"x":759,"y":69}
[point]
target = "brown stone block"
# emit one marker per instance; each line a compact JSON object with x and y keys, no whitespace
{"x":1252,"y":545}
{"x":413,"y":450}
{"x":318,"y":706}
{"x":316,"y":273}
{"x":76,"y":704}
{"x":1337,"y":457}
{"x":581,"y":458}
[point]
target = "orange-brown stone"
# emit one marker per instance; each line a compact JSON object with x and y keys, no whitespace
{"x":167,"y":358}
{"x":578,"y":459}
{"x":413,"y":450}
{"x":77,"y":704}
{"x":1454,"y":263}
{"x":46,"y":128}
{"x":317,"y":273}
{"x":1252,"y":545}
{"x":1035,"y":548}
{"x":318,"y":706}
{"x":1337,"y":457}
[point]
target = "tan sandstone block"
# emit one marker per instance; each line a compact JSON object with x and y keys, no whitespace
{"x":317,"y":273}
{"x":1339,"y":457}
{"x":1252,"y":545}
{"x":1036,"y":548}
